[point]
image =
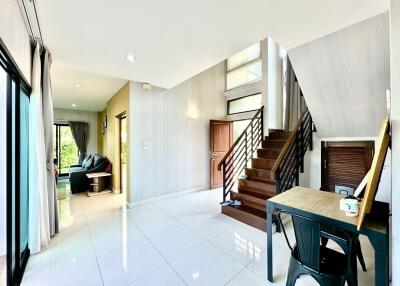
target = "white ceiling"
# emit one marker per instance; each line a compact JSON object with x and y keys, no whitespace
{"x":92,"y":95}
{"x":176,"y":39}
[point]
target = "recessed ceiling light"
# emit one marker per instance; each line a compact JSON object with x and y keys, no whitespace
{"x":131,"y":58}
{"x":73,"y":105}
{"x":77,"y":85}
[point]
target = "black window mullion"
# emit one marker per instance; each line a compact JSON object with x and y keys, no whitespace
{"x":9,"y":184}
{"x":17,"y":120}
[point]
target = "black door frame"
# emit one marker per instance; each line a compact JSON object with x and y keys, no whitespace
{"x":21,"y":255}
{"x":120,"y":117}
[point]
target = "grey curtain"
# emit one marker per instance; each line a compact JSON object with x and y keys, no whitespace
{"x":47,"y":107}
{"x":294,"y":100}
{"x":80,"y":132}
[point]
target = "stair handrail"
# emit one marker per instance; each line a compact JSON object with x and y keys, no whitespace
{"x":290,"y":158}
{"x":292,"y":136}
{"x":252,"y":135}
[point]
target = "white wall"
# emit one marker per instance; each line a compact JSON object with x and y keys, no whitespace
{"x":395,"y":91}
{"x":64,"y":115}
{"x":170,"y":134}
{"x":15,"y":36}
{"x":344,"y":77}
{"x":275,"y":84}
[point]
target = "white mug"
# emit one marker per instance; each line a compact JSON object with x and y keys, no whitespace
{"x":349,"y":206}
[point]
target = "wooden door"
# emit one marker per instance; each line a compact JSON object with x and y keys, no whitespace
{"x":221,"y":133}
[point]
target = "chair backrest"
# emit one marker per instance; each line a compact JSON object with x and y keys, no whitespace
{"x":308,"y":239}
{"x":308,"y":235}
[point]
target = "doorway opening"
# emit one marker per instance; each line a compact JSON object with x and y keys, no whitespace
{"x":65,"y":149}
{"x":123,"y":152}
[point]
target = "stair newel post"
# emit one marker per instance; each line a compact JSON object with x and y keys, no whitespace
{"x":297,"y":155}
{"x":262,"y":123}
{"x":224,"y":182}
{"x":311,"y":131}
{"x":278,"y":182}
{"x":245,"y":146}
{"x":301,"y":147}
{"x":252,"y":139}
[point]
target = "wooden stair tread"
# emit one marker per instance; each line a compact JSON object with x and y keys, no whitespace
{"x":263,"y":197}
{"x":251,"y":190}
{"x":266,"y":181}
{"x":247,"y":215}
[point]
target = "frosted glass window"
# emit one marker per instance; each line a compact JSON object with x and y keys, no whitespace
{"x":244,"y":75}
{"x":244,"y":67}
{"x":243,"y":57}
{"x":244,"y":104}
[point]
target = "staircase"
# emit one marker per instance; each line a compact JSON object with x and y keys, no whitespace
{"x":263,"y":167}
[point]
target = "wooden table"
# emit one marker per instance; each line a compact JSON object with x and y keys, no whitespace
{"x":99,"y":183}
{"x":324,"y":207}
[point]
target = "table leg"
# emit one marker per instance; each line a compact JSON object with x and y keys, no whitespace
{"x":380,"y":242}
{"x":269,"y":244}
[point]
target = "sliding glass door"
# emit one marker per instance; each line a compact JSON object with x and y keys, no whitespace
{"x":65,"y":149}
{"x":16,"y":91}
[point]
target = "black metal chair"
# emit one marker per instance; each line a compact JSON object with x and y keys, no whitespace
{"x":308,"y":257}
{"x":337,"y":237}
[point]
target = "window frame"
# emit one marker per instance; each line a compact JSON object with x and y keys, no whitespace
{"x":21,"y":256}
{"x":238,"y":98}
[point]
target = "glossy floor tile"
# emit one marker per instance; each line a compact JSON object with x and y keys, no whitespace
{"x":183,"y":240}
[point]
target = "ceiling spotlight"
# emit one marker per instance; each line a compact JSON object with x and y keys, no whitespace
{"x":73,"y":105}
{"x":131,"y":58}
{"x":76,"y":85}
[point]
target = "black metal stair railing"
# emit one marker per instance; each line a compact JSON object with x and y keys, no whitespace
{"x":291,"y":159}
{"x":235,"y":160}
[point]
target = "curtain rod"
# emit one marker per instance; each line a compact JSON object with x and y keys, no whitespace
{"x":40,"y":38}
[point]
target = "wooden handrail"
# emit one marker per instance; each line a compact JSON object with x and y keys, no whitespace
{"x":219,"y":167}
{"x":288,"y":143}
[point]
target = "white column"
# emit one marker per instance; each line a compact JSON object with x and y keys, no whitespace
{"x":264,"y":88}
{"x":395,"y":92}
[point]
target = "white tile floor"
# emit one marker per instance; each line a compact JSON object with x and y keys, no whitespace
{"x":179,"y":241}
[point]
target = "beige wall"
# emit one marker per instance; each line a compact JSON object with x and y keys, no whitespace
{"x":108,"y":143}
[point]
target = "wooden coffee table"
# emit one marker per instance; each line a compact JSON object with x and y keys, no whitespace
{"x":100,"y":183}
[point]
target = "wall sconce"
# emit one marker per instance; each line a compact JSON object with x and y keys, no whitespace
{"x":104,"y":125}
{"x":192,"y":111}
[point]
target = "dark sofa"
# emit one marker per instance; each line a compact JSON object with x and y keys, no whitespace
{"x":77,"y":173}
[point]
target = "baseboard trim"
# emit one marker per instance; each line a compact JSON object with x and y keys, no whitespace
{"x":130,"y":205}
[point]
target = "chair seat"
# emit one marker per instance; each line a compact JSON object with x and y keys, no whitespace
{"x":332,"y":263}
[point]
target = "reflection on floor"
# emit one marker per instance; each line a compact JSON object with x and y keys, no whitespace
{"x":3,"y":270}
{"x":183,"y":240}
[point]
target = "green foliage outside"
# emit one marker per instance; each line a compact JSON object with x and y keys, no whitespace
{"x":68,"y":150}
{"x":124,"y":152}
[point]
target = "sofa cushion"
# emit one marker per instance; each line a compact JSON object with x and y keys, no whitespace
{"x":75,"y":169}
{"x":97,"y":160}
{"x":89,"y":164}
{"x":84,"y":162}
